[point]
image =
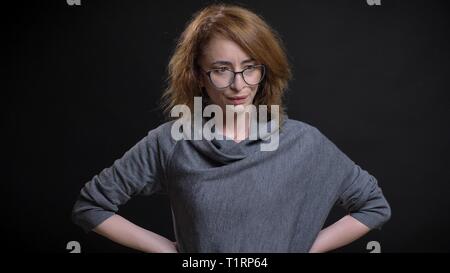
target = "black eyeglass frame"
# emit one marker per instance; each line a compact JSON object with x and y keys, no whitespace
{"x":208,"y":73}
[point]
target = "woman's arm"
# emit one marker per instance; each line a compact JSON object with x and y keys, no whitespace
{"x":122,"y":231}
{"x":139,"y":171}
{"x":339,"y":234}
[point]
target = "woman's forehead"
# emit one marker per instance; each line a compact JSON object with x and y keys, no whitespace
{"x":224,"y":50}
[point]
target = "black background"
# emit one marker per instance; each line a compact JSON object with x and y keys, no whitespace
{"x":84,"y":84}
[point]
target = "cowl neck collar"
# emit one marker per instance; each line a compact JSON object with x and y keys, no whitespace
{"x":226,"y":150}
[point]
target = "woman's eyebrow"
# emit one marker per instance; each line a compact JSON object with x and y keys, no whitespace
{"x":221,"y":62}
{"x":248,"y":61}
{"x":229,"y":63}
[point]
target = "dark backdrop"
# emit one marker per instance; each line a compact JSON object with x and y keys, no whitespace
{"x":84,"y":84}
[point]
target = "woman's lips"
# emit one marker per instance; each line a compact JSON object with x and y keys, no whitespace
{"x":238,"y":99}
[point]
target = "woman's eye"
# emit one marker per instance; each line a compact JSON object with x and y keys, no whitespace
{"x":250,"y":68}
{"x":220,"y":69}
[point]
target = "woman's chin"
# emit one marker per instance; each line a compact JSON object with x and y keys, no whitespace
{"x":237,"y":107}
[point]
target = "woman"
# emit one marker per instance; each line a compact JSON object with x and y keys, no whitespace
{"x":228,"y":195}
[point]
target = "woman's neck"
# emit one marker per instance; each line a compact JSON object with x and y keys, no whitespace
{"x":238,"y":129}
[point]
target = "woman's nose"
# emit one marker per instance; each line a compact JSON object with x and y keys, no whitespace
{"x":238,"y":82}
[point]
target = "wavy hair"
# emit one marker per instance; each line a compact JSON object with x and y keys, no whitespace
{"x":241,"y":26}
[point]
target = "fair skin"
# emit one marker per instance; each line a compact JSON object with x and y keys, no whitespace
{"x":122,"y":231}
{"x":339,"y":234}
{"x":222,"y":53}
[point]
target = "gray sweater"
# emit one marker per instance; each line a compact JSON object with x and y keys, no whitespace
{"x":233,"y":197}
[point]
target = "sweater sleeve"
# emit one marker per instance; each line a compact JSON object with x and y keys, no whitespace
{"x":358,"y":191}
{"x":138,"y":171}
{"x":363,"y":198}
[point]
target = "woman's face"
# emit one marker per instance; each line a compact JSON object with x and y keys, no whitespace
{"x":223,"y":53}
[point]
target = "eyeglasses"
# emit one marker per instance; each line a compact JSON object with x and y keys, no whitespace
{"x":223,"y":77}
